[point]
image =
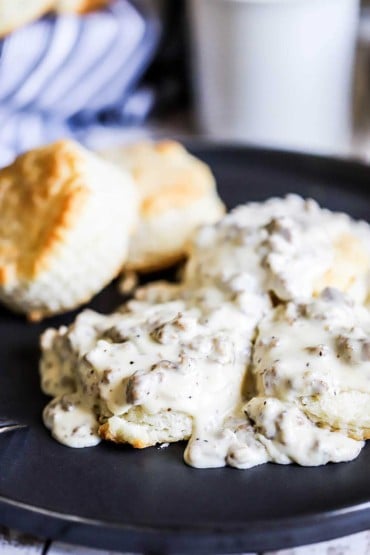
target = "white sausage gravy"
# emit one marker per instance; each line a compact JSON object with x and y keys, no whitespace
{"x":255,"y":356}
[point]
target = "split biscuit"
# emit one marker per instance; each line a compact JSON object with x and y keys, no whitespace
{"x":66,"y":216}
{"x":74,"y":371}
{"x":141,"y":430}
{"x":178,"y":193}
{"x":146,"y":375}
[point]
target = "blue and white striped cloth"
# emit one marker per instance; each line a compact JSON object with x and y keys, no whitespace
{"x":61,"y":75}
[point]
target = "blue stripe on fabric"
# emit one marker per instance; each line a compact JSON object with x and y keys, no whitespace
{"x":16,"y":61}
{"x":68,"y":94}
{"x":58,"y":75}
{"x":63,"y":34}
{"x":134,"y":66}
{"x":11,"y":95}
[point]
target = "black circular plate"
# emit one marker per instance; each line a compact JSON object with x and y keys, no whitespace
{"x":118,"y":498}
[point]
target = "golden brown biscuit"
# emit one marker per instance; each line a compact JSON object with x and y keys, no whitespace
{"x":178,"y":193}
{"x":142,"y":430}
{"x":65,"y":220}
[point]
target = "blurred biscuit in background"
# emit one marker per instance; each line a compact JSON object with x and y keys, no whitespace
{"x":177,"y":194}
{"x":66,"y":217}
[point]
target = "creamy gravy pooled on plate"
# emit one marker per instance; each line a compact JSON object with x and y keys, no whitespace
{"x":229,"y":359}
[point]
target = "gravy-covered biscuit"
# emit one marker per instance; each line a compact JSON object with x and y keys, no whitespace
{"x":317,"y":356}
{"x":251,"y":357}
{"x":153,"y":373}
{"x":171,"y":371}
{"x":65,"y":221}
{"x":287,"y":246}
{"x":178,"y":193}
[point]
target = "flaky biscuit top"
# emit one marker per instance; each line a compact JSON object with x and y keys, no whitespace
{"x":41,"y":196}
{"x":168,"y":177}
{"x":44,"y":196}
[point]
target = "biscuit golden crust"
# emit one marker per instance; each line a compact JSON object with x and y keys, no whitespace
{"x":43,"y":189}
{"x":359,"y":434}
{"x":177,"y":192}
{"x":168,"y":176}
{"x":142,"y":430}
{"x":66,"y":217}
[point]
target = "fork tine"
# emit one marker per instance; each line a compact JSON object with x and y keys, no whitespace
{"x":11,"y":427}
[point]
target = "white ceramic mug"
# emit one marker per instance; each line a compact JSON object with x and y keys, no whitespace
{"x":275,"y":72}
